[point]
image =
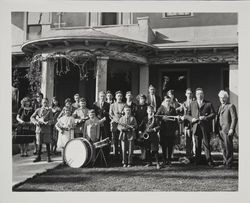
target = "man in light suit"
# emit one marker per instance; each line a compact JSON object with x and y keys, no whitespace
{"x":200,"y":113}
{"x":226,"y":121}
{"x":153,"y":99}
{"x":116,"y":111}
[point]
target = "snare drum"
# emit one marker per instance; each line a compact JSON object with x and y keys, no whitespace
{"x":78,"y":152}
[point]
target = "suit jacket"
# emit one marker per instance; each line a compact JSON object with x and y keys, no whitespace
{"x":126,"y":133}
{"x":157,"y":100}
{"x":115,"y":112}
{"x":102,"y":112}
{"x":226,"y":118}
{"x":43,"y":114}
{"x":168,"y":127}
{"x":194,"y":111}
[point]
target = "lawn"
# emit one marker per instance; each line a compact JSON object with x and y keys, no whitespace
{"x":177,"y":177}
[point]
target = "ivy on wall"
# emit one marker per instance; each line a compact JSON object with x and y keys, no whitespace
{"x":63,"y":62}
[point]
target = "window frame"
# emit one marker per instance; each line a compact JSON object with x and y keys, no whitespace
{"x":177,"y":16}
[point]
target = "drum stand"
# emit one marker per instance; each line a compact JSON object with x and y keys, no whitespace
{"x":102,"y":156}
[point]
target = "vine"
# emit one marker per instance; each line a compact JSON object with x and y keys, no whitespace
{"x":63,"y":62}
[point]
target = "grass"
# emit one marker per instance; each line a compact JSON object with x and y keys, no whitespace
{"x":177,"y":177}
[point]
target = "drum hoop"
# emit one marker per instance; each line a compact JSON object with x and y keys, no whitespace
{"x":91,"y":149}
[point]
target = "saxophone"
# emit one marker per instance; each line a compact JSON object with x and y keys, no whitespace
{"x":145,"y":135}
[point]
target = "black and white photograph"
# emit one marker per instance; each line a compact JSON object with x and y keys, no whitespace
{"x":124,"y":101}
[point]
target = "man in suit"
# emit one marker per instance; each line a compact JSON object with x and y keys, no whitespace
{"x":116,"y":111}
{"x":226,"y":121}
{"x":201,"y":113}
{"x":153,"y":99}
{"x":190,"y":143}
{"x":101,"y":108}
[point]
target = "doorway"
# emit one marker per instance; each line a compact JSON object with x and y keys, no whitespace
{"x":123,"y":76}
{"x":176,"y":80}
{"x":66,"y":85}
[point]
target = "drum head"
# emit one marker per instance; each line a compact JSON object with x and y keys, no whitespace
{"x":76,"y":153}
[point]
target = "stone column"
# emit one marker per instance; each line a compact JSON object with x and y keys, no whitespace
{"x":144,"y":78}
{"x":233,"y":83}
{"x":47,"y":80}
{"x":101,"y":75}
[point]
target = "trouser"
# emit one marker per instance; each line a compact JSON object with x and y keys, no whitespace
{"x":115,"y":136}
{"x":150,"y":154}
{"x":227,"y":148}
{"x":190,"y":146}
{"x":167,"y":148}
{"x":127,"y":146}
{"x":202,"y":137}
{"x":40,"y":150}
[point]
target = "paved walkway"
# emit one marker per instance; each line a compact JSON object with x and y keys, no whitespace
{"x":24,"y":168}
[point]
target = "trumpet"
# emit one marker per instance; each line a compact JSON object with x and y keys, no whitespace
{"x":169,"y":118}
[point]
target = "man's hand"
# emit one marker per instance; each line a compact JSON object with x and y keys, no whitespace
{"x":202,"y":118}
{"x":230,"y":132}
{"x":194,"y":120}
{"x":176,"y":132}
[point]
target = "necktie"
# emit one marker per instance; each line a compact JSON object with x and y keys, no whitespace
{"x":153,"y":103}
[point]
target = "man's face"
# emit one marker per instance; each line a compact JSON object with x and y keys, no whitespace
{"x":199,"y":95}
{"x":167,"y":100}
{"x":223,"y":99}
{"x":68,"y":104}
{"x":39,"y":99}
{"x":101,"y":97}
{"x":109,"y":96}
{"x":170,"y":95}
{"x":45,"y":103}
{"x":151,"y":90}
{"x":189,"y":94}
{"x":129,"y":97}
{"x":127,"y":111}
{"x":142,"y":100}
{"x":118,"y":97}
{"x":76,"y":98}
{"x":91,"y":115}
{"x":82,"y":103}
{"x":150,"y":111}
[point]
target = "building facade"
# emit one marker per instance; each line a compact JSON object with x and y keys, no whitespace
{"x":89,"y":52}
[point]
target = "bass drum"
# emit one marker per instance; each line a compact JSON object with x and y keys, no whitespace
{"x":78,"y":152}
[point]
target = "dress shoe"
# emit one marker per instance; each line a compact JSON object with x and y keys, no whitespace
{"x":158,"y":166}
{"x":149,"y":164}
{"x":49,"y":159}
{"x":37,"y":159}
{"x":124,"y":165}
{"x":210,"y":163}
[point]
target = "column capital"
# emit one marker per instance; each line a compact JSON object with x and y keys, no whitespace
{"x":233,"y":63}
{"x":102,"y":58}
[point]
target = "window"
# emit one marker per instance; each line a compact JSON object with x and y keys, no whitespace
{"x":169,"y":15}
{"x":62,"y":19}
{"x":34,"y":32}
{"x":109,"y":19}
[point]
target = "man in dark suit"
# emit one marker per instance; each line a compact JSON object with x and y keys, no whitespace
{"x":153,"y":99}
{"x":226,"y":121}
{"x":200,"y":113}
{"x":101,"y":108}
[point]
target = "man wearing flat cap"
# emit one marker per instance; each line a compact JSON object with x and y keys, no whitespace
{"x":116,"y":112}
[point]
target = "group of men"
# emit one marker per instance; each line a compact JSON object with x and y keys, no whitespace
{"x":150,"y":122}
